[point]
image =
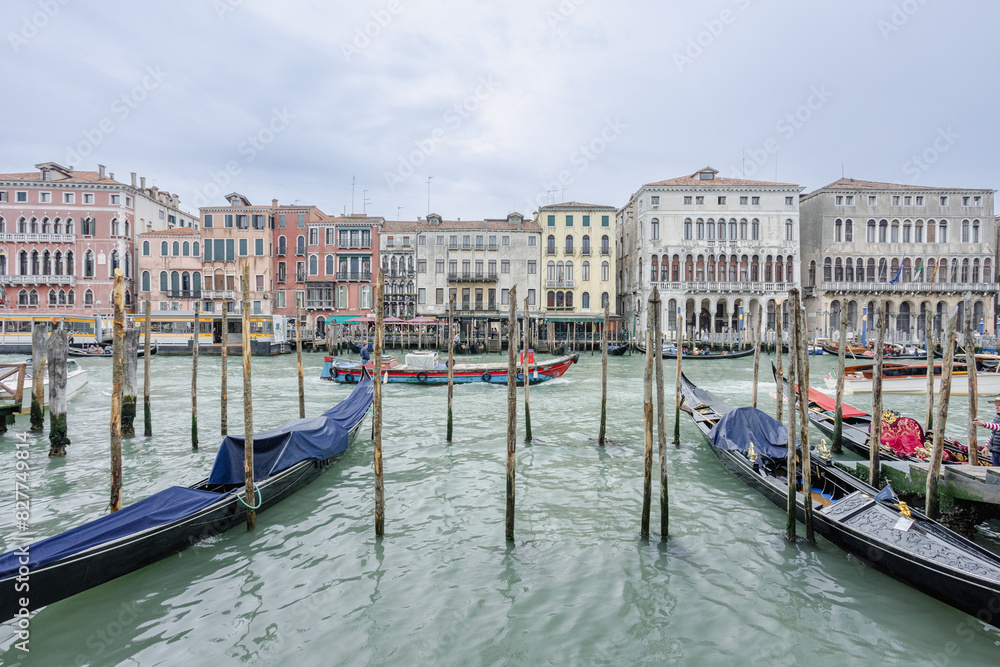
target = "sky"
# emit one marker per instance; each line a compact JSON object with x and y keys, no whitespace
{"x":476,"y":109}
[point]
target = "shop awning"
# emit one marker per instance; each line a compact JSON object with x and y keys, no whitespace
{"x":579,"y":317}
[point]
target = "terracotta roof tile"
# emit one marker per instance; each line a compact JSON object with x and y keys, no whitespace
{"x":855,"y":185}
{"x":176,"y":231}
{"x":77,"y":177}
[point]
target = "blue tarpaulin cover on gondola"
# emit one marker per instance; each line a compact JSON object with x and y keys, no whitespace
{"x":742,"y":426}
{"x":159,"y":509}
{"x":314,"y":439}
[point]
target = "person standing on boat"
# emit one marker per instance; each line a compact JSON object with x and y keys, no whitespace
{"x":995,"y":435}
{"x":365,"y":357}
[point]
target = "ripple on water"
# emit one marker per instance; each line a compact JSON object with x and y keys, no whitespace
{"x":311,"y":585}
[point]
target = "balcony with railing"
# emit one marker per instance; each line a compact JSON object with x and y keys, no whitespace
{"x":300,"y":276}
{"x":225,"y":294}
{"x":453,"y":246}
{"x":472,"y":277}
{"x":605,"y":250}
{"x":565,"y":284}
{"x":551,"y":250}
{"x":19,"y":237}
{"x":355,"y":245}
{"x":354,"y":276}
{"x":282,"y":277}
{"x":723,"y":287}
{"x":38,"y":280}
{"x":185,"y":294}
{"x":902,"y":287}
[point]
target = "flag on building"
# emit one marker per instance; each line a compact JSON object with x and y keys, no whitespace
{"x":898,"y":273}
{"x":918,"y":270}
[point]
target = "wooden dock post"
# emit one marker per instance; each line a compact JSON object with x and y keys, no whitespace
{"x":970,"y":363}
{"x":249,"y":488}
{"x":117,"y":373}
{"x":527,"y":369}
{"x":756,"y":357}
{"x":932,"y":500}
{"x":298,"y":355}
{"x":551,"y":330}
{"x":838,"y":424}
{"x":779,"y":354}
{"x":511,"y":410}
{"x":661,"y":420}
{"x":678,"y":396}
{"x":224,"y":389}
{"x":929,"y":421}
{"x":604,"y":374}
{"x":147,"y":327}
{"x":875,"y":442}
{"x":130,"y":390}
{"x":38,"y":363}
{"x":451,"y":362}
{"x":194,"y":377}
{"x":803,"y":381}
{"x":791,"y":461}
{"x":58,"y":352}
{"x":377,"y":405}
{"x":647,"y":421}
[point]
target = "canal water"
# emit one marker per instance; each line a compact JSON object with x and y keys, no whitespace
{"x":312,"y":586}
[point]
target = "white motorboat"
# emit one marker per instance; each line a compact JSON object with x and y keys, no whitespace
{"x":76,"y":383}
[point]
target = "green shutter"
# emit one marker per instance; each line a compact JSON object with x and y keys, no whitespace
{"x":552,"y":221}
{"x":605,"y":221}
{"x":586,"y":221}
{"x":569,"y":220}
{"x":208,"y":250}
{"x":230,"y":250}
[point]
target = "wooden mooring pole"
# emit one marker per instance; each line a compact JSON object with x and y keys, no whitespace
{"x":661,"y":419}
{"x":451,"y":362}
{"x":58,"y":352}
{"x":647,"y":421}
{"x":803,"y":380}
{"x":778,"y":353}
{"x":38,"y":363}
{"x":970,"y":363}
{"x":932,"y":500}
{"x":377,"y":406}
{"x":511,"y":411}
{"x":929,"y":420}
{"x":527,"y":378}
{"x":838,"y":424}
{"x":678,"y":396}
{"x":147,"y":328}
{"x":298,"y":356}
{"x":604,"y":374}
{"x":117,"y":373}
{"x":194,"y":376}
{"x":224,"y":388}
{"x":875,"y":443}
{"x":130,"y":391}
{"x":792,"y":459}
{"x":756,"y":357}
{"x":249,"y":487}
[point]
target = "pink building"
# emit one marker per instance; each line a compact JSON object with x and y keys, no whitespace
{"x":296,"y":242}
{"x":64,"y":231}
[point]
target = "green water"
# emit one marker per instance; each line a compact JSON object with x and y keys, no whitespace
{"x":312,"y":586}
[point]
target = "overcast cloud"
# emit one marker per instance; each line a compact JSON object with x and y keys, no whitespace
{"x":507,"y":105}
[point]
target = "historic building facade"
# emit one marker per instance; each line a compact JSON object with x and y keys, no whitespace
{"x":716,"y":248}
{"x":398,"y":245}
{"x":170,"y":266}
{"x":477,"y":262}
{"x":579,"y":264}
{"x":231,"y":236}
{"x":921,"y":249}
{"x":64,"y":231}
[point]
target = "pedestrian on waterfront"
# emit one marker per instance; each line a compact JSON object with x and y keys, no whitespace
{"x":365,"y":357}
{"x":995,"y":435}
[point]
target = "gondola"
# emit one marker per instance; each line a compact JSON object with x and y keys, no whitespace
{"x":285,"y":459}
{"x":617,"y":350}
{"x":105,"y":352}
{"x":873,"y":526}
{"x":903,"y":439}
{"x":670,"y":352}
{"x":558,"y":350}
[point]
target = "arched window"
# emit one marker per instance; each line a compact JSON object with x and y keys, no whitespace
{"x":22,"y":298}
{"x":185,"y":249}
{"x":942,"y":231}
{"x":69,"y":230}
{"x":975,"y":270}
{"x":115,"y":262}
{"x":569,"y":244}
{"x":196,"y":283}
{"x":838,"y":269}
{"x":128,"y":264}
{"x":185,"y":283}
{"x":894,"y":232}
{"x":88,"y":298}
{"x":52,"y":298}
{"x":585,"y":301}
{"x":164,"y":249}
{"x":34,"y":227}
{"x":965,"y":270}
{"x":46,"y":263}
{"x":883,"y":228}
{"x":907,"y":231}
{"x":35,"y":263}
{"x":550,"y":300}
{"x":22,"y":263}
{"x":175,"y":283}
{"x":550,"y":244}
{"x":653,"y":269}
{"x":871,"y":270}
{"x":848,"y":231}
{"x":145,"y":248}
{"x":329,"y":265}
{"x":176,"y":249}
{"x":300,"y":245}
{"x":585,"y":270}
{"x":605,"y":271}
{"x":585,"y":248}
{"x":551,"y":270}
{"x":743,"y":229}
{"x":918,"y":231}
{"x":313,"y":265}
{"x":115,"y":227}
{"x":870,"y":232}
{"x":71,"y":298}
{"x":732,"y":229}
{"x":687,"y":229}
{"x":605,"y":245}
{"x":569,"y":299}
{"x":699,"y":227}
{"x":33,"y":297}
{"x":838,"y":231}
{"x":789,"y":230}
{"x":70,"y":267}
{"x":654,"y":229}
{"x":22,"y":228}
{"x":145,"y":281}
{"x":281,"y":245}
{"x":883,"y":269}
{"x":163,"y":281}
{"x":965,"y":231}
{"x":975,"y":231}
{"x":755,"y":229}
{"x":605,"y":298}
{"x":62,"y":298}
{"x":46,"y":227}
{"x":828,"y":269}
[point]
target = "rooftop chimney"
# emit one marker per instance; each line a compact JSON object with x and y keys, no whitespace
{"x":133,"y":179}
{"x":142,"y":182}
{"x":111,"y":175}
{"x":100,"y":172}
{"x":274,"y":203}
